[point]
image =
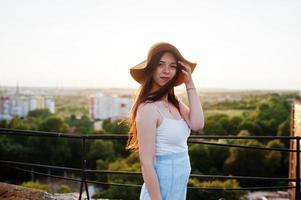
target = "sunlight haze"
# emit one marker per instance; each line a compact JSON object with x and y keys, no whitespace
{"x":248,"y":44}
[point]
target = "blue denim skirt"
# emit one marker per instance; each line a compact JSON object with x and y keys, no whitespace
{"x":173,"y":172}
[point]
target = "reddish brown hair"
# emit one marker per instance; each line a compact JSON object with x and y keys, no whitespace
{"x":144,"y":94}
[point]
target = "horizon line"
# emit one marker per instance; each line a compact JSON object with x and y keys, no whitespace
{"x":135,"y":88}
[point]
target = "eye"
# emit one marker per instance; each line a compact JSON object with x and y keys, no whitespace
{"x":160,"y":64}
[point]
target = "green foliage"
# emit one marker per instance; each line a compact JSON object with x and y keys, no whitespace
{"x":222,"y":124}
{"x":64,"y":189}
{"x":235,"y":121}
{"x":208,"y":159}
{"x":270,"y":113}
{"x":3,"y":123}
{"x":213,"y":127}
{"x":53,"y":124}
{"x":131,"y":163}
{"x":100,"y":150}
{"x":284,"y":128}
{"x":218,"y":155}
{"x":83,"y":125}
{"x":266,"y":115}
{"x":251,"y":126}
{"x":42,"y":113}
{"x":200,"y":158}
{"x":18,"y":123}
{"x":117,"y":127}
{"x":48,"y":150}
{"x":195,"y":194}
{"x":16,"y":147}
{"x":246,"y":162}
{"x":246,"y":103}
{"x":273,"y":159}
{"x":249,"y":162}
{"x":36,"y":185}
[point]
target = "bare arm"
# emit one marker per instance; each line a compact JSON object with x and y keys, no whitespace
{"x":193,"y":114}
{"x":146,"y":128}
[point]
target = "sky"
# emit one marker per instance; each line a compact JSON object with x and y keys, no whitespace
{"x":249,"y":44}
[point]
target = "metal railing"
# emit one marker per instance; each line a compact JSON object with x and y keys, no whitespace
{"x":194,"y":139}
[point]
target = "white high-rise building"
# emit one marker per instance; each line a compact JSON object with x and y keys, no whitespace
{"x":125,"y":104}
{"x":5,"y":108}
{"x":50,"y":104}
{"x":105,"y":106}
{"x":17,"y":105}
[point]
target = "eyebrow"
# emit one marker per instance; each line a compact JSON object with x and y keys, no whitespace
{"x":161,"y":61}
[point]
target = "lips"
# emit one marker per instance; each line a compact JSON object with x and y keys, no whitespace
{"x":165,"y":78}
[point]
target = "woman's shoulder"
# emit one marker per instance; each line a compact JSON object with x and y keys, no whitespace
{"x":147,"y":108}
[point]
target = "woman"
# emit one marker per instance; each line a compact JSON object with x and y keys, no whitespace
{"x":160,"y":123}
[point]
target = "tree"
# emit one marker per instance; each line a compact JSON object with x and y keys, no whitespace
{"x":49,"y":150}
{"x":54,"y":124}
{"x":226,"y":124}
{"x":195,"y":194}
{"x":3,"y":123}
{"x":284,"y":128}
{"x":18,"y":123}
{"x":201,"y":161}
{"x":213,"y":126}
{"x":246,"y":162}
{"x":271,"y":112}
{"x":100,"y":150}
{"x":39,"y":113}
{"x":251,"y":126}
{"x":83,"y":125}
{"x":218,"y":155}
{"x":273,"y":159}
{"x":234,"y":122}
{"x":117,"y":127}
{"x":131,"y":163}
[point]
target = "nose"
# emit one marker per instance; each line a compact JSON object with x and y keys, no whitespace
{"x":166,"y":69}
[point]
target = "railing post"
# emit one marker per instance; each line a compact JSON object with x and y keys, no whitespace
{"x":48,"y":178}
{"x":83,"y":181}
{"x":32,"y":174}
{"x":298,"y":169}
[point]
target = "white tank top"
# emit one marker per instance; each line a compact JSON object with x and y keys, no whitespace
{"x":171,"y":135}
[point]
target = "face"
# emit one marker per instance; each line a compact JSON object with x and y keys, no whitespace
{"x":165,"y":70}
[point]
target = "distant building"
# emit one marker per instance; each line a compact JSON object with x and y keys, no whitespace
{"x":109,"y":106}
{"x":5,"y":108}
{"x":50,"y":103}
{"x":17,"y":105}
{"x":295,"y":132}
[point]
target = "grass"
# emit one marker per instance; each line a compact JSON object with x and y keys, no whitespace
{"x":230,"y":113}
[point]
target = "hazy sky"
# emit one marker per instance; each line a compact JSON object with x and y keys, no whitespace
{"x":246,"y":44}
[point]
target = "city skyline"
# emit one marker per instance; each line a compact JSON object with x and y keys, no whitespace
{"x":237,"y":44}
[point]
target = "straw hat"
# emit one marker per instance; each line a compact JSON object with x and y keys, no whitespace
{"x":137,"y":71}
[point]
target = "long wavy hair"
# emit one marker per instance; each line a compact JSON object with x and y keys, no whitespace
{"x":144,"y":94}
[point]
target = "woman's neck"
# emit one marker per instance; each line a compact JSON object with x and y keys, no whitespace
{"x":165,"y":98}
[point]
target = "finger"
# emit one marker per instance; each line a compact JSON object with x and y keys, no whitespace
{"x":183,"y":64}
{"x":186,"y":73}
{"x":186,"y":66}
{"x":187,"y":70}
